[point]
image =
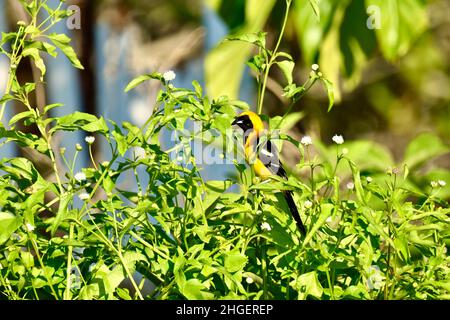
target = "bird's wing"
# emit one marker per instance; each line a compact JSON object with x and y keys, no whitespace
{"x":269,"y":156}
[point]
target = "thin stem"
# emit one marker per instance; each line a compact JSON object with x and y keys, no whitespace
{"x":330,"y":285}
{"x":108,"y":243}
{"x":339,"y":158}
{"x":67,"y":293}
{"x":263,"y":89}
{"x":264,"y":270}
{"x":92,"y":157}
{"x":119,"y":252}
{"x":84,"y":209}
{"x":72,"y":168}
{"x":273,"y":57}
{"x":15,"y":60}
{"x":41,"y":263}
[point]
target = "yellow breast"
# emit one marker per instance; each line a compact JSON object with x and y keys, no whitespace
{"x":251,"y":156}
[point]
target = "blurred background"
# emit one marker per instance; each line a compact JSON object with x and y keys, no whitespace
{"x":388,"y":60}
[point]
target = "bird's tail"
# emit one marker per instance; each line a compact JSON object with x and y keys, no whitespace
{"x":294,"y":211}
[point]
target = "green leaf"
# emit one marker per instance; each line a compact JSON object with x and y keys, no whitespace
{"x":7,"y":37}
{"x":360,"y":194}
{"x":5,"y":98}
{"x":9,"y":223}
{"x":235,"y":261}
{"x":137,"y":81}
{"x":293,"y":92}
{"x":81,"y":120}
{"x":402,"y":249}
{"x":122,"y":145}
{"x":256,"y":63}
{"x":52,"y":106}
{"x":258,"y":39}
{"x":123,"y":293}
{"x":287,"y":67}
{"x":369,"y":215}
{"x":90,"y":292}
{"x":25,"y":139}
{"x":21,"y":116}
{"x":423,"y":148}
{"x":42,"y":46}
{"x":21,"y":168}
{"x":60,"y":37}
{"x":62,"y":42}
{"x":194,"y":289}
{"x":62,"y":211}
{"x":330,"y":92}
{"x":198,"y":88}
{"x":29,"y":87}
{"x":38,"y":61}
{"x":99,"y":125}
{"x":27,"y":259}
{"x":308,"y":284}
{"x":131,"y":257}
{"x":326,"y":210}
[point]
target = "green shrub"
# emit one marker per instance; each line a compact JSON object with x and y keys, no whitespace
{"x":376,"y":230}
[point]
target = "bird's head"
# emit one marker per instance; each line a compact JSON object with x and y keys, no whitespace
{"x":249,"y":120}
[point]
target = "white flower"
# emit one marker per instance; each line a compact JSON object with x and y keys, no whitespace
{"x":266,"y":226}
{"x":84,"y":196}
{"x":29,"y":227}
{"x":90,"y":139}
{"x":338,"y":139}
{"x":369,"y":179}
{"x":80,"y":176}
{"x":442,"y":183}
{"x":350,"y":186}
{"x":249,"y":280}
{"x":169,"y":75}
{"x":315,"y":67}
{"x":308,"y":204}
{"x":375,"y":279}
{"x":306,"y":141}
{"x":434,"y":184}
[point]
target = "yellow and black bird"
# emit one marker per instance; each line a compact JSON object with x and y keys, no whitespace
{"x":263,"y":156}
